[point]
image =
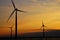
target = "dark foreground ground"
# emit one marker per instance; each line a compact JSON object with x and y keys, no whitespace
{"x":51,"y":35}
{"x":32,"y":39}
{"x":41,"y":39}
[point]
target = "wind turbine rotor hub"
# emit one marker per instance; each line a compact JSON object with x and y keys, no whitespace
{"x":16,"y":9}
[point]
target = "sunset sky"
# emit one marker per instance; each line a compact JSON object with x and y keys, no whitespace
{"x":48,"y":10}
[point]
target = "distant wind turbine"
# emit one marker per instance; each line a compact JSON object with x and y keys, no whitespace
{"x":43,"y":25}
{"x":11,"y":30}
{"x":15,"y":10}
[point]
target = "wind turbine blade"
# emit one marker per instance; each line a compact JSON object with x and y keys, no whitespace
{"x":42,"y":22}
{"x":13,"y":3}
{"x":21,"y":11}
{"x":11,"y":15}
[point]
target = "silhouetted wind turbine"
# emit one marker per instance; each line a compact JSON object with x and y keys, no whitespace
{"x":11,"y":30}
{"x":43,"y":25}
{"x":15,"y":10}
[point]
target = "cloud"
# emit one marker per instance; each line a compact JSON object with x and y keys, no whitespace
{"x":48,"y":2}
{"x":4,"y":2}
{"x":30,"y":2}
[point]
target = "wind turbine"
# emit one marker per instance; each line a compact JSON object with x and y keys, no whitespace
{"x":43,"y":25}
{"x":15,"y":10}
{"x":11,"y":30}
